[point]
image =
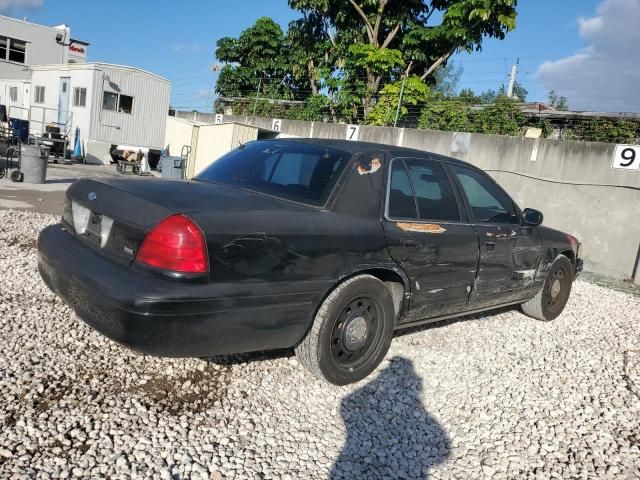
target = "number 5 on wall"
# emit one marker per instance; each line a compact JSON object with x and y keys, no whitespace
{"x":626,"y":157}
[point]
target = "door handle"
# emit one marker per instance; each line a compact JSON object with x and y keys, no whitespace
{"x":409,"y":242}
{"x":490,"y":245}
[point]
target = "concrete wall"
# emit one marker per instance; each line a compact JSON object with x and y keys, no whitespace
{"x":572,"y":183}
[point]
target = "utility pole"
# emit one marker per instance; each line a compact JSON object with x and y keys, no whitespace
{"x":395,"y":122}
{"x":512,"y":79}
{"x":255,"y":105}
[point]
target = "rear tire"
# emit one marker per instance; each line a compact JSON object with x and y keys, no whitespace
{"x":351,"y":332}
{"x":549,"y":303}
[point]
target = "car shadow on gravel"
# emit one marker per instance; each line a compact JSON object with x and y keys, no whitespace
{"x":389,"y":432}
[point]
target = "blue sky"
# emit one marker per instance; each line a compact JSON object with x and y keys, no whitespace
{"x":177,"y":40}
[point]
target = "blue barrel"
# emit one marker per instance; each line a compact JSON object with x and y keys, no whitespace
{"x":20,"y":128}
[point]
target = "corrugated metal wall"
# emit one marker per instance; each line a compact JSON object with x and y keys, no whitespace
{"x":145,"y":126}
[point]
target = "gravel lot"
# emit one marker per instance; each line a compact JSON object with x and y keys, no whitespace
{"x":495,"y":396}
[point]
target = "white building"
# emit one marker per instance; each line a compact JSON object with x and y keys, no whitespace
{"x":110,"y":104}
{"x":24,"y":44}
{"x":45,"y":79}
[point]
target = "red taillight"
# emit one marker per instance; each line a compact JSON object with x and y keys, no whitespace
{"x":175,"y":244}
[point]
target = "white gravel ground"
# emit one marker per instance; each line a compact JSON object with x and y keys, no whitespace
{"x":495,"y":396}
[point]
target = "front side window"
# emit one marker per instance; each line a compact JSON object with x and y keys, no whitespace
{"x":489,"y":204}
{"x":110,"y":101}
{"x":38,"y":95}
{"x":79,"y":97}
{"x":434,"y":194}
{"x":294,"y":171}
{"x":13,"y":94}
{"x":4,"y":43}
{"x":420,"y":189}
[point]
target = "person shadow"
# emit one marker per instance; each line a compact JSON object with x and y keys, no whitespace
{"x":389,"y":432}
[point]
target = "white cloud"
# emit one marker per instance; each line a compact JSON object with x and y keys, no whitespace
{"x":605,"y":76}
{"x":7,"y":4}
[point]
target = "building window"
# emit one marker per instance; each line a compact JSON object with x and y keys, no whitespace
{"x":79,"y":97}
{"x":39,"y":95}
{"x":110,"y":101}
{"x":13,"y":50}
{"x":13,"y":94}
{"x":117,"y":103}
{"x":125,"y":105}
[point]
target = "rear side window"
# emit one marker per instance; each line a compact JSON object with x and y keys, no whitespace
{"x":401,"y":200}
{"x":420,"y":189}
{"x":294,"y":171}
{"x":489,"y":204}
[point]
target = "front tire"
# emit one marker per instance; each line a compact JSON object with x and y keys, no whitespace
{"x":351,"y":332}
{"x":549,"y":303}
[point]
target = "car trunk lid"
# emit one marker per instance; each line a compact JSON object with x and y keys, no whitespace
{"x":114,"y":215}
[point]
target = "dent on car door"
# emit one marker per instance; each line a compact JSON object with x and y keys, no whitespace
{"x":509,"y":251}
{"x":429,"y":237}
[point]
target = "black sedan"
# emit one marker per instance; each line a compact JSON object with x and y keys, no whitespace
{"x":326,"y":246}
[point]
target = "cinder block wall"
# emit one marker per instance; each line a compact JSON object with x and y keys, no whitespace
{"x":572,"y":183}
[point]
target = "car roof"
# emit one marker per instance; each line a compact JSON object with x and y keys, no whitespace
{"x":353,"y":148}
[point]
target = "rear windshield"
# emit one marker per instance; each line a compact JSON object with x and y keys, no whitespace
{"x":294,"y":171}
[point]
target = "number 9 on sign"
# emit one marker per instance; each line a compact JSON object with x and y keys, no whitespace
{"x":626,"y":157}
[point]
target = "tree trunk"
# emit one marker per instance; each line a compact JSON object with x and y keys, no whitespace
{"x":312,"y":78}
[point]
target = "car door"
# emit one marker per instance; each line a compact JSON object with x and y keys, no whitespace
{"x":509,"y":252}
{"x":429,"y":236}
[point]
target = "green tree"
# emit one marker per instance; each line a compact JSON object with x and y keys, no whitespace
{"x":366,"y":34}
{"x":469,"y":96}
{"x":446,"y":79}
{"x":501,"y":118}
{"x":448,"y":115}
{"x":558,"y":102}
{"x":488,"y":96}
{"x":519,"y":92}
{"x":609,"y":131}
{"x":258,"y":63}
{"x":415,"y":92}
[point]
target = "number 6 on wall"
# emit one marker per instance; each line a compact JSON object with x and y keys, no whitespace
{"x":626,"y":157}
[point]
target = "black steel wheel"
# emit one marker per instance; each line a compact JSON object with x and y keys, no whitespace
{"x":3,"y":172}
{"x":549,"y":303}
{"x":17,"y":176}
{"x":351,"y":332}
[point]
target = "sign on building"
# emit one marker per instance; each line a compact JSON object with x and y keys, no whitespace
{"x":276,"y":124}
{"x":626,"y":157}
{"x":219,"y":119}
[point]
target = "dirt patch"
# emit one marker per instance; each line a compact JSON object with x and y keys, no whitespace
{"x":24,"y":244}
{"x":193,"y":392}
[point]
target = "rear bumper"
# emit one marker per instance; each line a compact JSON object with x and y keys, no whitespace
{"x":167,"y":318}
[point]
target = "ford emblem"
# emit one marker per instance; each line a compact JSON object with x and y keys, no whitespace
{"x":92,"y":196}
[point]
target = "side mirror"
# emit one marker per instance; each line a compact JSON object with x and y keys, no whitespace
{"x":532,"y":217}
